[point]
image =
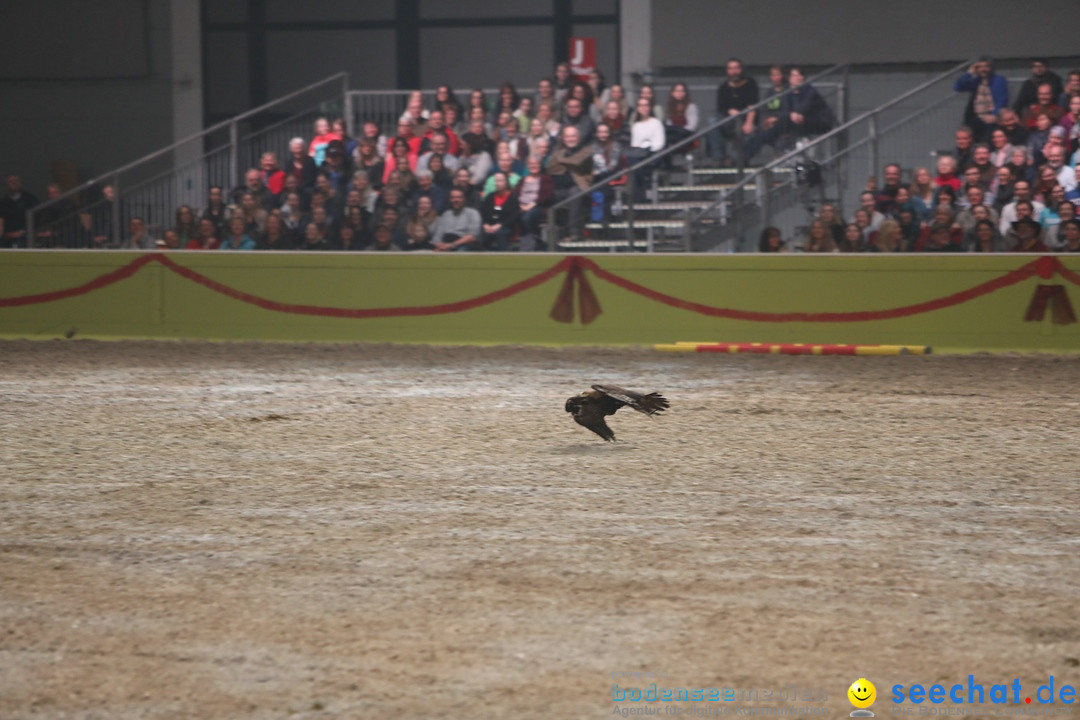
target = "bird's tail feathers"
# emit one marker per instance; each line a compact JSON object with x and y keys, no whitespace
{"x":653,"y":404}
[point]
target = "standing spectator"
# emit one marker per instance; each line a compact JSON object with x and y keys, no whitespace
{"x":535,"y":194}
{"x":734,"y":95}
{"x":208,"y":236}
{"x":571,"y":170}
{"x":499,"y":214}
{"x":13,"y":209}
{"x":1040,"y":75}
{"x":989,"y":95}
{"x":459,"y":227}
{"x":682,"y":115}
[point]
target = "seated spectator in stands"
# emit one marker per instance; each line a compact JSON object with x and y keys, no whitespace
{"x":1002,"y":189}
{"x":407,"y":132}
{"x":437,"y":128}
{"x":441,"y":175}
{"x":524,"y":115}
{"x":613,"y":94}
{"x":944,"y":216}
{"x":185,"y":225}
{"x":359,"y":219}
{"x":940,"y":238}
{"x":13,"y":209}
{"x":253,"y":216}
{"x":922,"y":193}
{"x":946,"y":177}
{"x":392,"y":198}
{"x":504,"y":164}
{"x":1009,"y":121}
{"x":989,"y":95}
{"x":327,"y":225}
{"x":323,"y":136}
{"x":968,"y":217}
{"x":1028,"y":236}
{"x":301,"y":165}
{"x":420,"y":227}
{"x":682,"y":115}
{"x":1044,"y":185}
{"x":277,"y":236}
{"x":335,"y":200}
{"x":571,"y":170}
{"x":138,"y":237}
{"x":868,"y":202}
{"x":649,"y":94}
{"x":853,"y":241}
{"x":981,"y":162}
{"x":291,"y":185}
{"x":903,"y":198}
{"x":536,"y":133}
{"x":545,"y":93}
{"x":349,"y":142}
{"x":983,"y":237}
{"x":1000,"y":149}
{"x":208,"y":236}
{"x":292,"y":213}
{"x":803,"y":112}
{"x":336,"y":167}
{"x":479,"y":125}
{"x":535,"y":194}
{"x":476,"y":100}
{"x":236,"y":238}
{"x":476,"y":160}
{"x":399,"y":158}
{"x":1071,"y":236}
{"x":736,"y":93}
{"x":444,"y":96}
{"x":456,"y":121}
{"x":1055,"y":160}
{"x":507,"y":101}
{"x":563,"y":80}
{"x":499,"y":214}
{"x":545,"y":113}
{"x":515,"y":141}
{"x":965,"y":148}
{"x":369,"y":162}
{"x":1021,"y":209}
{"x":347,"y":240}
{"x":253,"y":183}
{"x":273,"y":177}
{"x":615,"y":118}
{"x":463,"y":182}
{"x":98,"y":222}
{"x":860,"y":219}
{"x":771,"y":241}
{"x":1038,"y":138}
{"x":1045,"y":105}
{"x":313,"y":238}
{"x":1020,"y":165}
{"x":584,"y":93}
{"x":372,"y":134}
{"x":820,"y":239}
{"x":777,"y":85}
{"x":647,"y":137}
{"x":362,"y":184}
{"x":426,"y":188}
{"x":888,"y":239}
{"x":971,"y":180}
{"x":909,"y":227}
{"x":1049,"y":217}
{"x":1066,"y":213}
{"x":1040,"y":75}
{"x":1071,"y":89}
{"x":1070,"y":121}
{"x":478,"y":137}
{"x":459,"y":227}
{"x":945,"y":195}
{"x":1013,"y":211}
{"x":829,"y":215}
{"x":577,"y":117}
{"x":885,"y":198}
{"x":48,"y":230}
{"x":608,"y":153}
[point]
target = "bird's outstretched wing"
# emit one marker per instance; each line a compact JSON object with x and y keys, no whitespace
{"x":591,"y":415}
{"x":650,"y":404}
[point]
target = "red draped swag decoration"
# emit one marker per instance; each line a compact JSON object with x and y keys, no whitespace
{"x":588,"y":307}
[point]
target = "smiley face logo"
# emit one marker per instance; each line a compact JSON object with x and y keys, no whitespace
{"x":862,"y":693}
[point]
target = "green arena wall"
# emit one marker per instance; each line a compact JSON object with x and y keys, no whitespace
{"x":953,"y":303}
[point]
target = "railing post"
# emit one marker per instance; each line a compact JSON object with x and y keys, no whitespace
{"x":871,"y":131}
{"x":630,"y":190}
{"x":30,"y":228}
{"x":764,"y":184}
{"x":234,"y":153}
{"x":346,"y":106}
{"x":116,"y":233}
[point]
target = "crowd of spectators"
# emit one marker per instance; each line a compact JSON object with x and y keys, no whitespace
{"x":468,"y":175}
{"x":1010,"y":183}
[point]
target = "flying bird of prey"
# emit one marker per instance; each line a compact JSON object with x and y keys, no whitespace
{"x":592,"y":406}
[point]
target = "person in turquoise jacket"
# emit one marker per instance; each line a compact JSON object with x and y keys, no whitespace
{"x":235,"y":239}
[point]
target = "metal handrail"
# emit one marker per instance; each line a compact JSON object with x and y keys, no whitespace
{"x":342,"y":77}
{"x":670,"y":149}
{"x":824,"y":137}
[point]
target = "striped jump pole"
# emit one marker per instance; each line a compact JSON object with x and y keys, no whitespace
{"x":794,"y":348}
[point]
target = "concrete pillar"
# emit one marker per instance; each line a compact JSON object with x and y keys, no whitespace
{"x":187,"y":97}
{"x":635,"y":39}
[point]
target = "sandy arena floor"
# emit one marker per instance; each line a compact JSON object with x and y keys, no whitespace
{"x":330,"y":531}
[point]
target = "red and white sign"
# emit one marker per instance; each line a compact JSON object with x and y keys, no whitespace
{"x":582,"y":57}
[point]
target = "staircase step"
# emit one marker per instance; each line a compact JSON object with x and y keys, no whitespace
{"x":622,"y":224}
